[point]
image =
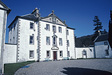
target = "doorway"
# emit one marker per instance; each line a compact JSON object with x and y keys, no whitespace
{"x":54,"y":55}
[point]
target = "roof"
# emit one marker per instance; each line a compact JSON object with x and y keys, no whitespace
{"x":28,"y":17}
{"x":102,"y":37}
{"x":5,"y":7}
{"x":84,"y":41}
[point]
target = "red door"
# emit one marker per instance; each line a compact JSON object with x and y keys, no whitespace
{"x":54,"y":55}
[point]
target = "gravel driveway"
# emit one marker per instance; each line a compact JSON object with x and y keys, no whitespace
{"x":69,"y":67}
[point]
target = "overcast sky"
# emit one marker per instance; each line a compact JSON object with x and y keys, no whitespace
{"x":79,"y":14}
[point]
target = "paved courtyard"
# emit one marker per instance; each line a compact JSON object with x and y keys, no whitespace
{"x":69,"y":67}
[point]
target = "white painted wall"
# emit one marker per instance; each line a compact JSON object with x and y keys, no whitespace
{"x":10,"y":53}
{"x":3,"y":19}
{"x":71,"y":46}
{"x":24,"y":37}
{"x":90,"y":53}
{"x":100,"y":50}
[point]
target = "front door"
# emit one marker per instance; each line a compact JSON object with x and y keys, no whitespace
{"x":54,"y":55}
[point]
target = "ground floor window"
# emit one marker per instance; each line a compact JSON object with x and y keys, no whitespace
{"x":68,"y":53}
{"x":48,"y":53}
{"x":61,"y":53}
{"x":107,"y":52}
{"x":31,"y":54}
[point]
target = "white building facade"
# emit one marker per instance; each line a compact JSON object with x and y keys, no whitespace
{"x":41,"y":38}
{"x":4,"y":11}
{"x":102,"y":47}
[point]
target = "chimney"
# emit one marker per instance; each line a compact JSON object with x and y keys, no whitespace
{"x":36,"y":12}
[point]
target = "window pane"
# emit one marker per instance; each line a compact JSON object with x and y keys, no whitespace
{"x":47,"y":27}
{"x":31,"y":54}
{"x":48,"y":53}
{"x":60,"y":29}
{"x":31,"y":25}
{"x":61,"y":53}
{"x":54,"y":28}
{"x":32,"y":39}
{"x":47,"y":40}
{"x":60,"y":41}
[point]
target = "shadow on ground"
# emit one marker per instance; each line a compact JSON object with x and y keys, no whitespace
{"x":84,"y":71}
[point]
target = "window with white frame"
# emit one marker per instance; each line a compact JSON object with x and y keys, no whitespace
{"x":61,"y":53}
{"x":107,"y":52}
{"x":48,"y":27}
{"x":48,"y":53}
{"x":67,"y":32}
{"x":54,"y":29}
{"x":68,"y":43}
{"x":60,"y":29}
{"x":32,"y":39}
{"x":31,"y":54}
{"x":47,"y":40}
{"x":60,"y":42}
{"x":31,"y":25}
{"x":54,"y":40}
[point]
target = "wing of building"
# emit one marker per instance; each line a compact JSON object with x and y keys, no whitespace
{"x":40,"y":38}
{"x":102,"y":47}
{"x":4,"y":11}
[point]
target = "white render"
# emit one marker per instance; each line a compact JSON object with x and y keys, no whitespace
{"x":20,"y":32}
{"x":100,"y":49}
{"x":10,"y":53}
{"x":3,"y":18}
{"x":89,"y":52}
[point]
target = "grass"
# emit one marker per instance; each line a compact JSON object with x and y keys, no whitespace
{"x":10,"y":69}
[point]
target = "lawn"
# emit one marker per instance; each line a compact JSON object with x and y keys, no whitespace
{"x":10,"y":69}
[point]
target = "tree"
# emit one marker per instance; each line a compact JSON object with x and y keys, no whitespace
{"x":97,"y":24}
{"x":98,"y":27}
{"x":110,"y":30}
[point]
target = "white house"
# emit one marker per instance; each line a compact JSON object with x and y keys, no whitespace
{"x":40,"y":38}
{"x":4,"y":11}
{"x":102,"y":47}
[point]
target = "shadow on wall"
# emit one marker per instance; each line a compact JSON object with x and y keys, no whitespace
{"x":84,"y":71}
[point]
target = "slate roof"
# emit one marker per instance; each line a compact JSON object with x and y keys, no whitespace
{"x":5,"y":7}
{"x":28,"y":17}
{"x":102,"y":37}
{"x":84,"y":41}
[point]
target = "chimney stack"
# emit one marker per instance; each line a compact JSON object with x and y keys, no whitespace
{"x":36,"y":12}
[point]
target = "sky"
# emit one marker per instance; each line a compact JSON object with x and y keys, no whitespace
{"x":78,"y":14}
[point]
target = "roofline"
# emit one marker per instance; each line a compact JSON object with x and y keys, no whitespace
{"x":71,"y":28}
{"x":21,"y":18}
{"x":7,"y":9}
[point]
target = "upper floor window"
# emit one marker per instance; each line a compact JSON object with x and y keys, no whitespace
{"x":31,"y":25}
{"x":68,"y":43}
{"x":31,"y":54}
{"x":67,"y":32}
{"x":32,"y":39}
{"x":60,"y":29}
{"x":60,"y":42}
{"x":47,"y":27}
{"x":47,"y":40}
{"x":54,"y":29}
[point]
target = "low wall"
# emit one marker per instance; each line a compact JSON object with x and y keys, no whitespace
{"x":89,"y":52}
{"x":10,"y":53}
